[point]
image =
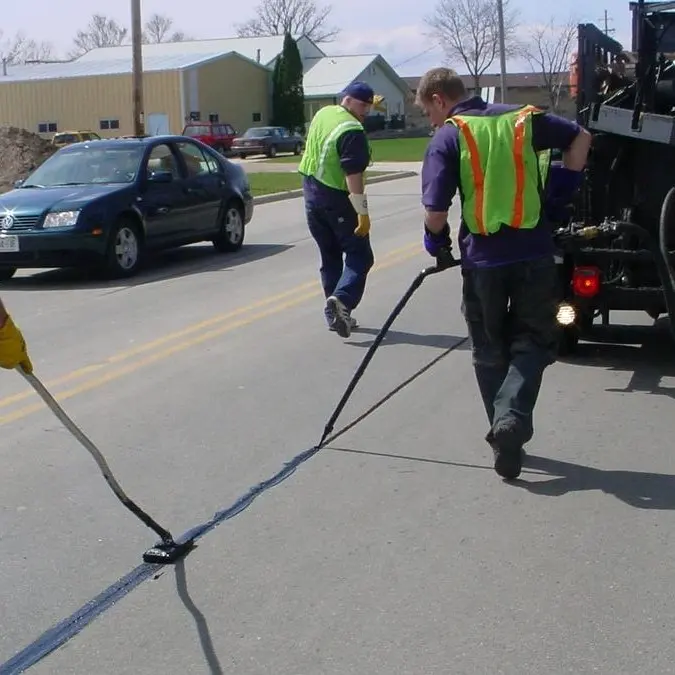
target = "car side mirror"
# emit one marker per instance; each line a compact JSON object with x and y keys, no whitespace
{"x":18,"y":183}
{"x":160,"y":177}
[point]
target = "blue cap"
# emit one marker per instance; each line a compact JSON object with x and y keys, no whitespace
{"x":360,"y":91}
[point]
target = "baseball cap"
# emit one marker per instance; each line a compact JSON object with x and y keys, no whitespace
{"x":360,"y":91}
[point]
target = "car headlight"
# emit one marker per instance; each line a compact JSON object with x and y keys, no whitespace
{"x":61,"y":219}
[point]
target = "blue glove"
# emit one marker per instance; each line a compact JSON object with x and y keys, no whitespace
{"x":563,"y":183}
{"x":433,"y":243}
{"x":439,"y":246}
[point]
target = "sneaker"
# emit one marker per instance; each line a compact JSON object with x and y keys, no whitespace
{"x":352,"y":322}
{"x":339,"y":317}
{"x":508,"y":454}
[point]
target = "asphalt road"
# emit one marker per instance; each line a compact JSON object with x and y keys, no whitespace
{"x":396,"y":550}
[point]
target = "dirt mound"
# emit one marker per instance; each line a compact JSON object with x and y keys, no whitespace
{"x":20,"y":152}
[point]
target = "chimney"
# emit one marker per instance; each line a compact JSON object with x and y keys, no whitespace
{"x":257,"y":55}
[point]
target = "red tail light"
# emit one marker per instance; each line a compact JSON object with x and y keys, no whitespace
{"x":586,"y":281}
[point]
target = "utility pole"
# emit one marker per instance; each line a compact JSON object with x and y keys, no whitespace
{"x":607,"y":30}
{"x":502,"y":51}
{"x":137,"y":67}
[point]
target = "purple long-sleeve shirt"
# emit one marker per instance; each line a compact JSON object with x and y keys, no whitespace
{"x":440,"y":183}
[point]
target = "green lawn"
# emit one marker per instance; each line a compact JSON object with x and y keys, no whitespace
{"x":269,"y":182}
{"x":384,"y":150}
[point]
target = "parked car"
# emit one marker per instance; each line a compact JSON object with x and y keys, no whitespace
{"x":217,"y":135}
{"x":105,"y":204}
{"x":267,"y":141}
{"x":68,"y":137}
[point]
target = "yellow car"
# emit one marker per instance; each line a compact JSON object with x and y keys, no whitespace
{"x":67,"y":137}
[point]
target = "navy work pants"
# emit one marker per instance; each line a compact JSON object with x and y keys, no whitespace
{"x":511,"y":316}
{"x":345,"y":258}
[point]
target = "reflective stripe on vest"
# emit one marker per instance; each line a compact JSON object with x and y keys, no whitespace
{"x":330,"y":142}
{"x":320,"y":158}
{"x":516,"y":217}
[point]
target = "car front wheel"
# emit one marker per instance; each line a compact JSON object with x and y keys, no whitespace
{"x":125,"y":249}
{"x":231,"y":236}
{"x":6,"y":273}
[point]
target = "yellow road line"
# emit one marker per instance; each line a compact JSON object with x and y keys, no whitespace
{"x":188,"y":330}
{"x":97,"y":382}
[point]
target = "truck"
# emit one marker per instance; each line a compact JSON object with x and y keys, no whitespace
{"x":616,"y":245}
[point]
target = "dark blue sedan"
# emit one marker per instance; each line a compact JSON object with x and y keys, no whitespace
{"x":104,"y":204}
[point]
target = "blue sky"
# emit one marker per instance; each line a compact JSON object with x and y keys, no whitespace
{"x":391,"y":28}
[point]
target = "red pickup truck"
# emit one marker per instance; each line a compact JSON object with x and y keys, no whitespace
{"x":218,"y":135}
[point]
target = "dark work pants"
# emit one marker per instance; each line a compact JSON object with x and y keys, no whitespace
{"x":511,"y":316}
{"x":345,"y":258}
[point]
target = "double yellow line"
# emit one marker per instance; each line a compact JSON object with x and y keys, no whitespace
{"x":109,"y":370}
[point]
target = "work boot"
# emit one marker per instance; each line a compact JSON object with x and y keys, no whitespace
{"x":507,"y":449}
{"x":339,"y":317}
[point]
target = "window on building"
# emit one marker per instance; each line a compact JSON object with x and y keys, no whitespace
{"x":47,"y":128}
{"x":110,"y":124}
{"x":257,"y":117}
{"x":213,"y":117}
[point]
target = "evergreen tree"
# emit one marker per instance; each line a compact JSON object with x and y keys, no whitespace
{"x":278,"y":98}
{"x":288,"y":96}
{"x":294,"y":82}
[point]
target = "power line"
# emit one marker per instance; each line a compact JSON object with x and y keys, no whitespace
{"x":416,"y":56}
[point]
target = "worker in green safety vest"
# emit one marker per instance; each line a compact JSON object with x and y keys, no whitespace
{"x":335,"y":159}
{"x":497,"y":157}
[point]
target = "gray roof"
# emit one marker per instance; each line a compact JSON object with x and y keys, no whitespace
{"x":331,"y":74}
{"x":122,"y":66}
{"x":270,"y":47}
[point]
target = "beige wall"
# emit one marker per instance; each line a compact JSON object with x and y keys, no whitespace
{"x":81,"y":103}
{"x":233,"y":88}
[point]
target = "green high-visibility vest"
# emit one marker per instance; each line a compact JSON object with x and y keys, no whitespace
{"x":501,"y":175}
{"x":320,"y":158}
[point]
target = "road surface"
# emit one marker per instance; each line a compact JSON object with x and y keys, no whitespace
{"x":396,"y":550}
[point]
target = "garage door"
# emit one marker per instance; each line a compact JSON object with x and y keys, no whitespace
{"x":157,"y":124}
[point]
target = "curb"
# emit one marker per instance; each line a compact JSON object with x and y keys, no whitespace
{"x":292,"y":194}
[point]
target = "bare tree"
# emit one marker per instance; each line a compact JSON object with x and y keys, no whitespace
{"x":100,"y":32}
{"x":297,"y":17}
{"x":468,"y":31}
{"x":548,"y":52}
{"x":158,"y":29}
{"x":19,"y":49}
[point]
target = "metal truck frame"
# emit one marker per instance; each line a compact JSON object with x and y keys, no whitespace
{"x":617,"y":249}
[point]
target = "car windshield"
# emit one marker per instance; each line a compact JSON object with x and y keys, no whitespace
{"x":66,"y":138}
{"x":197,"y":131}
{"x":87,"y":166}
{"x":259,"y":132}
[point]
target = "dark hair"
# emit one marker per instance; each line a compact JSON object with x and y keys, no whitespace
{"x":441,"y":81}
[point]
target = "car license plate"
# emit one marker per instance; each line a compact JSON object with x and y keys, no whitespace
{"x":9,"y":243}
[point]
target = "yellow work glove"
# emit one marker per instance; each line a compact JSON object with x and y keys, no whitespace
{"x":13,"y":351}
{"x":360,"y":204}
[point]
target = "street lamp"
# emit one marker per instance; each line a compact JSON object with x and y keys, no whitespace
{"x":137,"y":67}
{"x":502,"y":51}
